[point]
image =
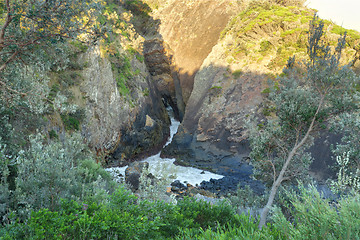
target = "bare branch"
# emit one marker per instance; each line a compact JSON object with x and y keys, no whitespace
{"x":12,"y":90}
{"x":6,"y":24}
{"x":10,"y":59}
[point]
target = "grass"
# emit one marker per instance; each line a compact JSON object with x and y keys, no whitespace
{"x":237,"y":73}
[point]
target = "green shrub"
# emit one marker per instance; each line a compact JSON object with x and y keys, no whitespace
{"x":72,"y":121}
{"x":248,"y":229}
{"x":245,"y":198}
{"x":53,"y":134}
{"x":237,"y":73}
{"x":215,"y":88}
{"x":265,"y":46}
{"x":205,"y":215}
{"x":314,"y":217}
{"x":80,"y":46}
{"x":65,"y":170}
{"x":75,"y":65}
{"x":124,"y":216}
{"x":53,"y":91}
{"x":86,"y":221}
{"x":138,"y":7}
{"x":4,"y":186}
{"x":69,"y":78}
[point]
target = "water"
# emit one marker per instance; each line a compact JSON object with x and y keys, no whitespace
{"x":165,"y":167}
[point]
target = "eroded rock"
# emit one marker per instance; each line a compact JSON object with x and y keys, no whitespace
{"x":133,"y":173}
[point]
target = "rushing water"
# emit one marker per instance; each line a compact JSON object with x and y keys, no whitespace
{"x":165,"y":167}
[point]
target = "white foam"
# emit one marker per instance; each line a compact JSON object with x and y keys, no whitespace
{"x":165,"y":167}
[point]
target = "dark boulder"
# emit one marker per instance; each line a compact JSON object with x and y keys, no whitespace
{"x":133,"y":173}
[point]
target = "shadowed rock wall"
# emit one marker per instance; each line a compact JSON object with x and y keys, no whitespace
{"x":192,"y":28}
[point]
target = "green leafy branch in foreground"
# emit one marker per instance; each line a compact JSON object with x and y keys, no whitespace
{"x":28,"y":27}
{"x":124,"y":216}
{"x":314,"y":217}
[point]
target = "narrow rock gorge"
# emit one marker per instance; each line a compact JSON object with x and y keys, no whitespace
{"x":211,"y":62}
{"x":225,"y":53}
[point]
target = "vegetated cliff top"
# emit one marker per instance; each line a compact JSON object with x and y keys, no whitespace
{"x":266,"y":34}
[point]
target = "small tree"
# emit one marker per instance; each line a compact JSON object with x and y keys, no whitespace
{"x":303,"y":100}
{"x":30,"y":25}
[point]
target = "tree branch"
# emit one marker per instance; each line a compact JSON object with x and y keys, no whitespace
{"x":6,"y":24}
{"x":10,"y":59}
{"x":12,"y":90}
{"x":281,"y":178}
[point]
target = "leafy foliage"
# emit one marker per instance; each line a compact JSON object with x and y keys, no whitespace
{"x":349,"y":126}
{"x":122,"y":217}
{"x":247,"y":230}
{"x":29,"y":28}
{"x":346,"y":179}
{"x":303,"y":101}
{"x":47,"y":173}
{"x":5,"y":161}
{"x":316,"y":218}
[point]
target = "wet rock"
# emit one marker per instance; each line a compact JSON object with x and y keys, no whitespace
{"x":178,"y":184}
{"x":210,"y":200}
{"x":145,"y":137}
{"x":223,"y":186}
{"x":133,"y":173}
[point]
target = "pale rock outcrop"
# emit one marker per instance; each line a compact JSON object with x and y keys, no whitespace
{"x":120,"y":125}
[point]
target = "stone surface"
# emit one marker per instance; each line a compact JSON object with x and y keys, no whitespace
{"x":133,"y":173}
{"x":159,"y":60}
{"x":192,"y":28}
{"x":121,"y":124}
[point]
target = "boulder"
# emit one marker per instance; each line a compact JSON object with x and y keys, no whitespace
{"x":133,"y":173}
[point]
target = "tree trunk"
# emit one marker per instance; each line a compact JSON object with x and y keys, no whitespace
{"x":277,"y":184}
{"x":280,"y":178}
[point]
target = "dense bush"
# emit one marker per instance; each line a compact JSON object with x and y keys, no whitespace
{"x":65,"y":169}
{"x":314,"y":217}
{"x":206,"y":215}
{"x":88,"y":221}
{"x":124,"y":216}
{"x":4,"y":187}
{"x":248,"y":230}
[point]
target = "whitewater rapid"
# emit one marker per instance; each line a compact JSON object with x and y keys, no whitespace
{"x":165,"y":167}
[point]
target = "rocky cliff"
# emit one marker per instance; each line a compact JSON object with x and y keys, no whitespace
{"x":125,"y":125}
{"x":209,"y":60}
{"x":232,"y":81}
{"x":122,"y":113}
{"x":191,"y":29}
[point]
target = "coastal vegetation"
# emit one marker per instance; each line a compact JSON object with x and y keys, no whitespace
{"x":53,"y":185}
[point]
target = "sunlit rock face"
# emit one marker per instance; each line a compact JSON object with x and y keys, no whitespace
{"x":123,"y":125}
{"x":191,"y":29}
{"x":212,"y":132}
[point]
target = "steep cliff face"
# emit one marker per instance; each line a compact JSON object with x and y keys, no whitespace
{"x":191,"y":29}
{"x":213,"y":128}
{"x":125,"y":116}
{"x":126,"y":125}
{"x":214,"y":56}
{"x":232,"y":81}
{"x":160,"y":63}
